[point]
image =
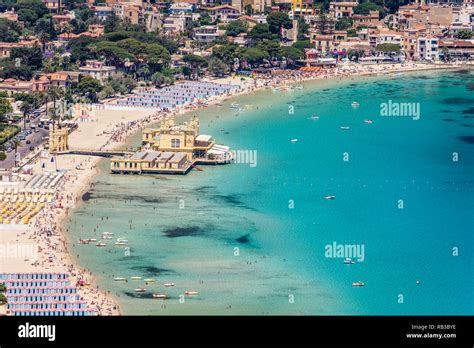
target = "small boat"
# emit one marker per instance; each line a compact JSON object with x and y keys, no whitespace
{"x":314,"y":118}
{"x":136,"y":278}
{"x":191,"y":293}
{"x":359,"y":283}
{"x":120,"y":279}
{"x":107,"y":233}
{"x":163,"y":296}
{"x":348,"y":261}
{"x":83,"y":241}
{"x":106,"y":237}
{"x":121,"y":243}
{"x":294,"y":140}
{"x":355,"y":104}
{"x":101,"y":244}
{"x":149,"y":280}
{"x":140,"y":290}
{"x":417,"y":281}
{"x":122,"y":240}
{"x":330,"y":197}
{"x":234,"y":106}
{"x":368,"y":121}
{"x":345,"y":127}
{"x":92,"y":240}
{"x":168,"y":285}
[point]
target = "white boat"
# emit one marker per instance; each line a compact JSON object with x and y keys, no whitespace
{"x":106,"y":237}
{"x":191,"y":293}
{"x":330,"y":197}
{"x":83,"y":241}
{"x":136,"y":278}
{"x":234,"y":106}
{"x":355,"y":104}
{"x":417,"y":281}
{"x":345,"y":127}
{"x":120,"y":279}
{"x":121,"y":243}
{"x":101,"y":244}
{"x":163,"y":296}
{"x":368,"y":121}
{"x":359,"y":283}
{"x":92,"y":240}
{"x":122,"y":240}
{"x":168,"y":285}
{"x":314,"y":118}
{"x":348,"y":261}
{"x":294,"y":140}
{"x":149,"y":280}
{"x":107,"y":233}
{"x":140,"y":290}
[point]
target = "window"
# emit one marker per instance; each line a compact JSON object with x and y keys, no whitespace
{"x":176,"y":143}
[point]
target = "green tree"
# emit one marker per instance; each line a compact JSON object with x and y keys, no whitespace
{"x":388,"y":47}
{"x":260,"y":32}
{"x":464,"y":34}
{"x":254,"y":55}
{"x":291,"y":53}
{"x":236,"y":27}
{"x":276,"y":20}
{"x":30,"y":56}
{"x":301,"y":45}
{"x":29,"y":17}
{"x":26,"y":107}
{"x":159,"y":79}
{"x":303,"y":29}
{"x":343,"y":23}
{"x":217,"y":67}
{"x":88,"y":87}
{"x":195,"y":63}
{"x":5,"y":109}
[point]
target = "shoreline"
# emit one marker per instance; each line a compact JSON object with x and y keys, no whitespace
{"x":79,"y":181}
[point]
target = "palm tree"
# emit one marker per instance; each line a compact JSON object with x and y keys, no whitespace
{"x":16,"y":142}
{"x":26,"y":107}
{"x":55,"y":93}
{"x":44,"y":38}
{"x":44,"y":98}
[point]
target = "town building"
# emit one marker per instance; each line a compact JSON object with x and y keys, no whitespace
{"x":97,"y":70}
{"x":224,"y":13}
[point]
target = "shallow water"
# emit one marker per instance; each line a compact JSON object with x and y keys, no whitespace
{"x":252,"y":239}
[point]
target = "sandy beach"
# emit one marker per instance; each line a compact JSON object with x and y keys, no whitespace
{"x":109,"y":129}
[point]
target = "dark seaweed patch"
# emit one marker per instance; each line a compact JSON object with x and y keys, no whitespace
{"x":469,"y":111}
{"x":448,"y":120}
{"x":468,"y":125}
{"x":152,"y":270}
{"x":457,"y":100}
{"x":87,"y":196}
{"x":144,"y":296}
{"x":467,"y":138}
{"x":447,"y":111}
{"x":462,"y":71}
{"x":191,"y":231}
{"x":470,"y":86}
{"x":243,"y":239}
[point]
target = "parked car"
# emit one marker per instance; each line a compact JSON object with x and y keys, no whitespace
{"x":32,"y":148}
{"x":28,"y":142}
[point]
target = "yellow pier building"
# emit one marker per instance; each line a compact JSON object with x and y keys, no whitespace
{"x":172,"y":149}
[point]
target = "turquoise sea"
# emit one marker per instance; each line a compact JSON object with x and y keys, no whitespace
{"x":252,"y":239}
